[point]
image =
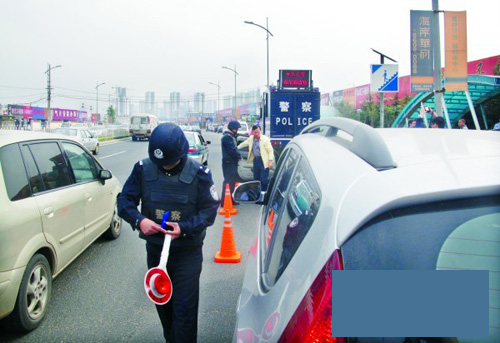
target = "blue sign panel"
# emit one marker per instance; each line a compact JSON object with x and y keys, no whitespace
{"x":422,"y":52}
{"x":292,"y":111}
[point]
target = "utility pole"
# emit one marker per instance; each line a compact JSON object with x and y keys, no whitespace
{"x":438,"y":85}
{"x":49,"y":113}
{"x":235,"y":74}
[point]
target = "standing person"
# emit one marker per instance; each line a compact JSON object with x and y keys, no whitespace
{"x":261,"y":152}
{"x":462,"y":124}
{"x":171,"y":181}
{"x":230,"y":158}
{"x":437,"y":122}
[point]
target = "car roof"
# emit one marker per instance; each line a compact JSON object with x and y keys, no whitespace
{"x":15,"y":136}
{"x":429,"y":165}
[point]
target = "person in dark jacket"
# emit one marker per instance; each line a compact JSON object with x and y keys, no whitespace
{"x":169,"y":180}
{"x":230,"y":158}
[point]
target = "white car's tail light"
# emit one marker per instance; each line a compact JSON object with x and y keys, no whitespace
{"x":312,"y":320}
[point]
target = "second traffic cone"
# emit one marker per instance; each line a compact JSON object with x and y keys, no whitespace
{"x":227,"y":252}
{"x":228,"y":202}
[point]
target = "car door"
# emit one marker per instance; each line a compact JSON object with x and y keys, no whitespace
{"x":60,"y":203}
{"x":98,"y":198}
{"x":204,"y":148}
{"x":85,"y":139}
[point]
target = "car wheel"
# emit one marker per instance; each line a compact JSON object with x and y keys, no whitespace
{"x":134,"y":138}
{"x":115,"y":227}
{"x":34,"y":295}
{"x":96,"y":150}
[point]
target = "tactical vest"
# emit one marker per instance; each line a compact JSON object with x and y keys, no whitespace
{"x":177,"y":194}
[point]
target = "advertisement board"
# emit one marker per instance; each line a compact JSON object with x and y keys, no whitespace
{"x":455,"y":42}
{"x":422,"y":53}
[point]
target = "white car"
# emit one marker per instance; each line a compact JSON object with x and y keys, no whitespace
{"x":55,"y":200}
{"x":84,"y":136}
{"x":347,"y":196}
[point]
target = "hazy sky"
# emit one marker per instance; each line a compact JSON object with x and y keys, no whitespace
{"x":165,"y":45}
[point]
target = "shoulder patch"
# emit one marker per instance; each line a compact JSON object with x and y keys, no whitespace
{"x":140,"y":162}
{"x":204,"y":169}
{"x":214,"y":194}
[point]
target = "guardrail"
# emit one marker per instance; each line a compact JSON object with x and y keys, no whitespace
{"x":110,"y":132}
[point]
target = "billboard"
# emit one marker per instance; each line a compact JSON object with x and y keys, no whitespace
{"x":455,"y":42}
{"x":422,"y":53}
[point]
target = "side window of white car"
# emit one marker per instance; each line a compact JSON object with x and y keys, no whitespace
{"x":297,"y":198}
{"x":51,"y":164}
{"x":84,"y":167}
{"x":14,"y":174}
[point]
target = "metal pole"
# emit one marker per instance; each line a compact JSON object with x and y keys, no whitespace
{"x":472,"y":110}
{"x":267,"y":87}
{"x":235,"y":101}
{"x":438,"y":86}
{"x":382,"y":109}
{"x":49,"y":116}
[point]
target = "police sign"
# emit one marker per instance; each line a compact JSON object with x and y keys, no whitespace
{"x":292,"y":111}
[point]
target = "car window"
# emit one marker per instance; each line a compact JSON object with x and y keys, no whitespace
{"x":14,"y":173}
{"x":36,"y":181}
{"x":190,"y":138}
{"x":295,"y":205}
{"x":66,"y":131}
{"x":53,"y":169}
{"x":83,"y":134}
{"x":83,"y":165}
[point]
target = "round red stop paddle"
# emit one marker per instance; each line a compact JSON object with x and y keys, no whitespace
{"x":157,"y":283}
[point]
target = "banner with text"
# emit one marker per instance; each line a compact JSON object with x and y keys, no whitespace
{"x":455,"y":42}
{"x":422,"y":52}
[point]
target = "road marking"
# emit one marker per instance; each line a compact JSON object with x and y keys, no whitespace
{"x":118,"y":153}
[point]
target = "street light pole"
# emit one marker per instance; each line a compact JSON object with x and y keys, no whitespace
{"x":49,"y":114}
{"x":97,"y":98}
{"x":235,"y":74}
{"x":218,"y":89}
{"x":267,"y":38}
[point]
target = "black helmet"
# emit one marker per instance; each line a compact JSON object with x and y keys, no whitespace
{"x":167,"y":144}
{"x":233,"y":125}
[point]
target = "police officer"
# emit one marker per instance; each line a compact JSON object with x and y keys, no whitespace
{"x":230,"y":157}
{"x":171,"y":181}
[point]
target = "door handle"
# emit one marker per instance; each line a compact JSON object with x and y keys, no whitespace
{"x":88,"y":196}
{"x":48,"y":211}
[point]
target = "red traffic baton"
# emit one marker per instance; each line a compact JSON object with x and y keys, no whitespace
{"x":157,"y":283}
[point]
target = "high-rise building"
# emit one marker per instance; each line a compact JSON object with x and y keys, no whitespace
{"x":175,"y":101}
{"x":199,"y":102}
{"x":150,"y":103}
{"x":121,"y":101}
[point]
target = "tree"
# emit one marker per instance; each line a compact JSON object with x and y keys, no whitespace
{"x":110,"y":113}
{"x":496,"y":70}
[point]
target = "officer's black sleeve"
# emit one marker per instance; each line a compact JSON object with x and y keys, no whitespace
{"x":207,"y":203}
{"x":230,"y":147}
{"x":130,"y":197}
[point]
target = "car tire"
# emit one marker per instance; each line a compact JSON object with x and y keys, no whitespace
{"x":115,"y":227}
{"x":96,"y":150}
{"x":134,"y":138}
{"x":33,"y":297}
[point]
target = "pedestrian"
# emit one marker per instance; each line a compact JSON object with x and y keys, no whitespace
{"x":437,"y":122}
{"x":230,"y":158}
{"x":411,"y":123}
{"x":169,"y":180}
{"x":462,"y":124}
{"x":17,"y":123}
{"x":496,"y":127}
{"x":261,"y":153}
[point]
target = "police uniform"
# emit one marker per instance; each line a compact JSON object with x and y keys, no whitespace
{"x":188,"y":192}
{"x":230,"y":159}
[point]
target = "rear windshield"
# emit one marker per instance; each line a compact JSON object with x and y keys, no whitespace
{"x":139,"y":120}
{"x":66,"y":131}
{"x":454,"y":235}
{"x":190,"y":138}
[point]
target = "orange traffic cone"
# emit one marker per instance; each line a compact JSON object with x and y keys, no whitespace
{"x":227,"y":252}
{"x":228,"y":203}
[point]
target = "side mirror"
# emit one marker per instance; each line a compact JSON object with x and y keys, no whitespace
{"x":104,"y":175}
{"x":208,"y":142}
{"x":248,"y":192}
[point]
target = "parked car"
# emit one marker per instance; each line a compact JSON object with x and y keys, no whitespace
{"x":84,"y":136}
{"x":347,"y":196}
{"x":55,"y":200}
{"x":198,"y":146}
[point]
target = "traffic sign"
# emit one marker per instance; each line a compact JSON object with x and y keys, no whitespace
{"x":384,"y":78}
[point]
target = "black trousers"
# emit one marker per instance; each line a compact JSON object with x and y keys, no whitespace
{"x":260,"y":173}
{"x":179,"y":317}
{"x":230,"y":173}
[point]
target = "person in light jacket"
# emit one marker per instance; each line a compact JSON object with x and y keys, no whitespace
{"x":261,"y":152}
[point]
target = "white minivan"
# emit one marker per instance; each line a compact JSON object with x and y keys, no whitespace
{"x":142,"y":125}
